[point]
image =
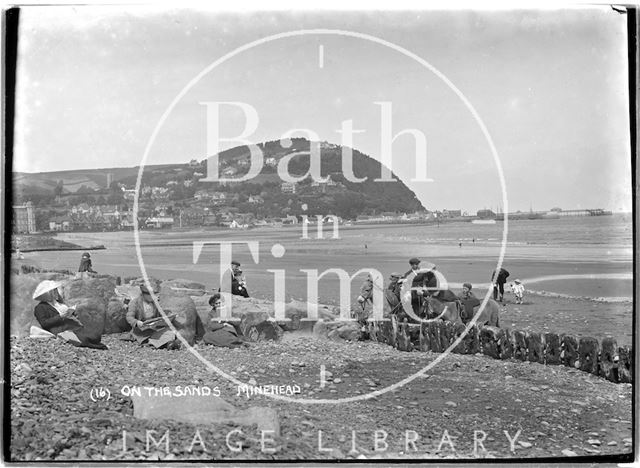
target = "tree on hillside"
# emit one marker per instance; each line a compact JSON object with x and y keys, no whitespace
{"x":58,"y":189}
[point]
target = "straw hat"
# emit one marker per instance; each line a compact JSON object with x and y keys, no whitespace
{"x":46,"y":286}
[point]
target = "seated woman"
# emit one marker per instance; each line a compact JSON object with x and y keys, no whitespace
{"x":220,"y":333}
{"x":147,"y":324}
{"x":56,"y":317}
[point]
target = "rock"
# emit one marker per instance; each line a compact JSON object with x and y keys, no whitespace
{"x":320,"y":329}
{"x":569,"y":453}
{"x":349,"y":331}
{"x":453,"y":404}
{"x":101,"y":287}
{"x":607,"y":365}
{"x":183,"y":287}
{"x":257,"y":326}
{"x":612,"y":443}
{"x":588,"y":349}
{"x":569,"y":354}
{"x":115,"y":318}
{"x":337,"y":381}
{"x":593,"y":442}
{"x":203,"y":410}
{"x":91,"y":311}
{"x":552,"y":349}
{"x":187,"y":321}
{"x":535,"y":348}
{"x":525,"y":444}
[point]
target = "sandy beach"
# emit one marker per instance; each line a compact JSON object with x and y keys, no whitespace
{"x":584,"y":289}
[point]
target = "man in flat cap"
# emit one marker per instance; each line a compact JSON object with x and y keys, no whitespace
{"x":421,"y":280}
{"x":230,"y":281}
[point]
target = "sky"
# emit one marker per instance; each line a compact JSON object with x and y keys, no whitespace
{"x":549,"y":86}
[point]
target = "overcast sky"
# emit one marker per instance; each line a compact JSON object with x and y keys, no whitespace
{"x":550,"y":86}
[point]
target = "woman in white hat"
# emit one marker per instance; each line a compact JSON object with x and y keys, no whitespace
{"x":56,"y":317}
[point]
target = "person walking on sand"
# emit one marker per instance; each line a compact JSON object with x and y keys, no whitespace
{"x":85,"y":269}
{"x":518,"y":291}
{"x":498,"y":278}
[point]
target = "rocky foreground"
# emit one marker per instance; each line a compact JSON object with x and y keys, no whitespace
{"x":461,"y":408}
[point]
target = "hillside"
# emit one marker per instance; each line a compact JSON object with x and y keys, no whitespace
{"x":182,"y":185}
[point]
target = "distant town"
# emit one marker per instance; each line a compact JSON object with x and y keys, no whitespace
{"x":175,"y":196}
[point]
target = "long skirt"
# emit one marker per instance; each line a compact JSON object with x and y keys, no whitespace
{"x":156,"y":338}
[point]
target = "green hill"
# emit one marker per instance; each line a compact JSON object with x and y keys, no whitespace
{"x":341,"y":196}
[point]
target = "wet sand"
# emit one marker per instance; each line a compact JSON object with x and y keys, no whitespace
{"x":571,"y":270}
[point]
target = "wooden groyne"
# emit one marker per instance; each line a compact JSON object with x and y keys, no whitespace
{"x":605,"y":359}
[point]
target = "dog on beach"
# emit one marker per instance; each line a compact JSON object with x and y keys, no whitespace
{"x":517,"y":288}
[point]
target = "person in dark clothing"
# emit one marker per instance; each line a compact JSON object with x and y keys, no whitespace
{"x":498,"y":278}
{"x":85,"y":267}
{"x":426,"y":280}
{"x":220,"y":333}
{"x":57,"y":318}
{"x":469,"y":301}
{"x":232,"y":281}
{"x":239,"y":285}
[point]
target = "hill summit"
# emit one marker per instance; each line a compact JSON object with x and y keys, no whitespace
{"x":187,"y":190}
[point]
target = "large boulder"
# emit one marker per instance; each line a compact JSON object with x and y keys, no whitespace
{"x":187,"y":322}
{"x":116,"y":317}
{"x":183,"y":287}
{"x":259,"y":326}
{"x":337,"y":330}
{"x":101,"y":287}
{"x":91,"y":312}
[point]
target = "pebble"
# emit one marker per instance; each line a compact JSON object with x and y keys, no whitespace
{"x":627,"y":440}
{"x":588,"y":450}
{"x":451,"y":403}
{"x":569,"y":453}
{"x":613,"y":442}
{"x":337,"y":380}
{"x":524,"y":444}
{"x":593,"y":442}
{"x":252,"y":381}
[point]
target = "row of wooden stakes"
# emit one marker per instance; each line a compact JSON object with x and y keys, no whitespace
{"x":605,"y":359}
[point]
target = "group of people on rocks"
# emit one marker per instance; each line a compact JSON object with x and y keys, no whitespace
{"x":148,"y":326}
